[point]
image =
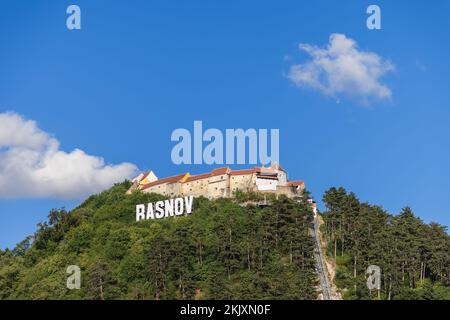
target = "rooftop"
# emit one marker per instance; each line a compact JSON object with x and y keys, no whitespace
{"x":262,"y":172}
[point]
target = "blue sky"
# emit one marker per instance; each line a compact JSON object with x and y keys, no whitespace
{"x":136,"y":71}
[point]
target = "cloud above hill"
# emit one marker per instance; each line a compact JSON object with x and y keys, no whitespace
{"x":32,"y":164}
{"x":342,"y":69}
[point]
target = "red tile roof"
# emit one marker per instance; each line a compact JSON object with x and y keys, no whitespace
{"x":198,"y":177}
{"x":268,"y":170}
{"x":219,"y":171}
{"x":265,"y":173}
{"x":173,"y":179}
{"x":242,"y":172}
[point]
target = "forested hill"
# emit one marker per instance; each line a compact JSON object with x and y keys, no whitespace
{"x":223,"y":250}
{"x":226,"y":250}
{"x":414,"y":257}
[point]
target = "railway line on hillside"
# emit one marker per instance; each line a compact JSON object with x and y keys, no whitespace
{"x":321,"y":267}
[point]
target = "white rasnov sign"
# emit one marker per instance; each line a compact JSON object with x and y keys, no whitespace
{"x":164,"y":209}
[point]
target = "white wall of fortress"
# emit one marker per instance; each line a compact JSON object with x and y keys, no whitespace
{"x":195,"y":188}
{"x":223,"y":186}
{"x":159,"y":189}
{"x":243,"y":182}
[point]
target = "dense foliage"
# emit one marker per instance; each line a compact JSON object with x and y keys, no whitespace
{"x":414,"y":257}
{"x":224,"y":250}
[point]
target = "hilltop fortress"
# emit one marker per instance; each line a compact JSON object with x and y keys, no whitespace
{"x":221,"y":183}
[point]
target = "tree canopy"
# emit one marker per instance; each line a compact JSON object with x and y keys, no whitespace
{"x":414,"y":257}
{"x":224,"y":250}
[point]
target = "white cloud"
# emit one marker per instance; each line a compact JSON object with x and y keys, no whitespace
{"x":32,"y":165}
{"x":342,"y":69}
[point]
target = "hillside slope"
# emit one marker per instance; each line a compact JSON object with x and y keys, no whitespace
{"x":222,"y":251}
{"x":227,"y":249}
{"x":413,"y":257}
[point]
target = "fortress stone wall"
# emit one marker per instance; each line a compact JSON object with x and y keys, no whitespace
{"x":221,"y":183}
